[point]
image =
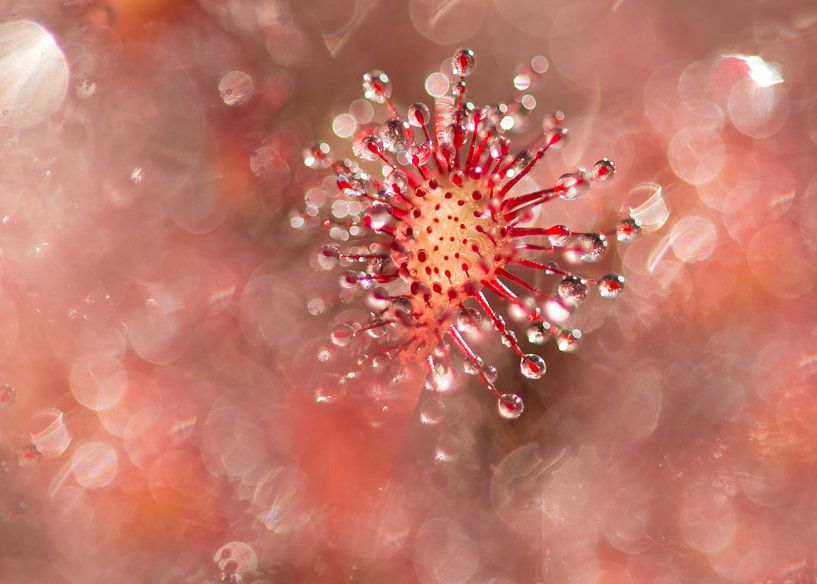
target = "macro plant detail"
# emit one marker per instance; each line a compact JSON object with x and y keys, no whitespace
{"x":448,"y":234}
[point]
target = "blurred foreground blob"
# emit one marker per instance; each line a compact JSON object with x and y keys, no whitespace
{"x":455,"y":226}
{"x":131,"y":16}
{"x":33,"y":74}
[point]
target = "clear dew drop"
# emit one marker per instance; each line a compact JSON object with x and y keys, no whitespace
{"x":348,"y":279}
{"x":137,"y":175}
{"x":532,"y":366}
{"x":316,"y":155}
{"x":611,"y":286}
{"x":378,"y":216}
{"x":457,"y":178}
{"x":398,"y":181}
{"x":463,"y":63}
{"x":572,"y":290}
{"x":378,"y":299}
{"x":572,"y":185}
{"x":376,"y":86}
{"x":556,"y":137}
{"x":354,"y":185}
{"x":328,"y":256}
{"x":469,"y":367}
{"x":393,"y":135}
{"x":510,"y":406}
{"x":490,"y":372}
{"x":7,"y":395}
{"x":593,"y":246}
{"x":560,"y":237}
{"x":473,"y":117}
{"x":523,"y":310}
{"x":603,"y":170}
{"x":627,"y":230}
{"x":344,"y":185}
{"x":342,"y":334}
{"x":568,"y":341}
{"x":420,"y":153}
{"x":418,"y":114}
{"x":499,"y":147}
{"x":509,"y":339}
{"x":368,"y":147}
{"x":537,"y":333}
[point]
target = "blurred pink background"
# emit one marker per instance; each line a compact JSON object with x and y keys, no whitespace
{"x":160,"y":318}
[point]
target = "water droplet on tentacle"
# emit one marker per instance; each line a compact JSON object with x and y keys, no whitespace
{"x":368,"y":147}
{"x":538,"y":333}
{"x":611,"y":286}
{"x":342,"y":334}
{"x":627,"y":230}
{"x":593,"y":246}
{"x":393,"y":136}
{"x":418,"y":114}
{"x":568,"y":341}
{"x":572,"y":185}
{"x":572,"y":290}
{"x":532,"y":366}
{"x":377,"y":86}
{"x":463,"y":63}
{"x":316,"y":155}
{"x":510,"y":406}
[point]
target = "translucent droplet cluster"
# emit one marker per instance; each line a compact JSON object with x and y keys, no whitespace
{"x":447,"y":234}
